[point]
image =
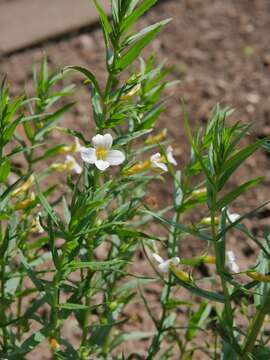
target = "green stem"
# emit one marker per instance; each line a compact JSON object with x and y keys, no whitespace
{"x":154,"y":348}
{"x":219,"y":267}
{"x":256,"y":326}
{"x":4,"y":330}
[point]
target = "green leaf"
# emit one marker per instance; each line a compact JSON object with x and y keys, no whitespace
{"x":130,"y":336}
{"x":192,"y":288}
{"x":136,"y":48}
{"x":232,"y":195}
{"x":150,"y":117}
{"x":50,"y":120}
{"x":88,"y":74}
{"x":4,"y":169}
{"x":71,"y":306}
{"x":136,"y":14}
{"x":236,"y":160}
{"x":103,"y":18}
{"x":197,"y":320}
{"x":96,"y":265}
{"x":125,"y":139}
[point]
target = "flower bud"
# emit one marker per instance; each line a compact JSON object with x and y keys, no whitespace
{"x":138,"y":168}
{"x":181,"y":275}
{"x":258,"y":276}
{"x":156,"y":138}
{"x":25,"y":203}
{"x":54,"y":344}
{"x":24,"y":187}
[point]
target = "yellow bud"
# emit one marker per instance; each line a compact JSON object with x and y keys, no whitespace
{"x":258,"y":276}
{"x":156,"y":138}
{"x":68,"y":149}
{"x":181,"y":275}
{"x":199,"y":192}
{"x":131,"y":93}
{"x":24,"y":187}
{"x":209,"y":259}
{"x":207,"y":221}
{"x":25,"y":203}
{"x":58,"y":167}
{"x":138,"y":168}
{"x":54,"y":344}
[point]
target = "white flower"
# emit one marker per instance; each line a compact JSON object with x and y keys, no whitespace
{"x":170,"y":156}
{"x":158,"y":160}
{"x":100,"y":154}
{"x":231,"y":263}
{"x":72,"y":164}
{"x":164,"y":265}
{"x":232,"y":217}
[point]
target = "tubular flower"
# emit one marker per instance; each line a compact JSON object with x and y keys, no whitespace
{"x":158,"y":161}
{"x":156,"y":138}
{"x":76,"y":147}
{"x":100,"y":154}
{"x":138,"y":168}
{"x":72,"y":164}
{"x":36,"y":226}
{"x":24,"y":187}
{"x":25,"y":203}
{"x":164,"y":265}
{"x":231,"y":263}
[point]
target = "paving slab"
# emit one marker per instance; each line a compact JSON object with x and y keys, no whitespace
{"x":27,"y":22}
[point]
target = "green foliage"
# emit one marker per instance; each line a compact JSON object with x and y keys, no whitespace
{"x":69,"y":234}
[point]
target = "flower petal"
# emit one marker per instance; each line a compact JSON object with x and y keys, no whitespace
{"x":164,"y":267}
{"x":160,"y":165}
{"x":156,"y":157}
{"x":88,"y":155}
{"x":170,"y":156}
{"x":104,"y":141}
{"x":102,"y":165}
{"x":115,"y":157}
{"x":158,"y":258}
{"x":175,"y":261}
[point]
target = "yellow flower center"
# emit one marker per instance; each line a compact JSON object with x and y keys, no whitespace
{"x":101,"y":153}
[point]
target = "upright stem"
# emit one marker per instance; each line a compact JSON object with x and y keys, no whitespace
{"x":154,"y":348}
{"x":256,"y":326}
{"x":228,"y":308}
{"x":4,"y":330}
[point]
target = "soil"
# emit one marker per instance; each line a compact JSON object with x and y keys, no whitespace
{"x":221,"y":53}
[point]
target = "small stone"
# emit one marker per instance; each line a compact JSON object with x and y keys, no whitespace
{"x":253,"y":98}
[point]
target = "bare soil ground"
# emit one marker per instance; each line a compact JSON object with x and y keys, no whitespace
{"x":221,"y":53}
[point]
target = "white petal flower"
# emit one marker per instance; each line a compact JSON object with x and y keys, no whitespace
{"x":157,"y":162}
{"x":164,"y":265}
{"x":170,"y":156}
{"x":100,"y":154}
{"x":232,"y":217}
{"x":231,"y":261}
{"x":73,"y":165}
